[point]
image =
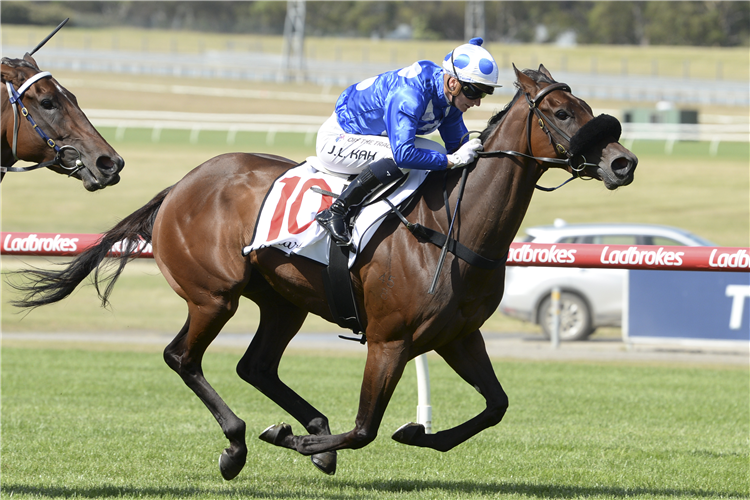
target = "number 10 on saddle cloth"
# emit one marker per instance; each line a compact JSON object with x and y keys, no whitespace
{"x":287,"y":219}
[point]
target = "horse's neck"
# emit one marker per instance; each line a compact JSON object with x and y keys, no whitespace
{"x":498,"y":191}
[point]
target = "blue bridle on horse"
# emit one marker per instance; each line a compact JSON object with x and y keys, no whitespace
{"x":14,"y":96}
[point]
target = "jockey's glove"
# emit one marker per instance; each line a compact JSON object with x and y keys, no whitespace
{"x":465,"y":154}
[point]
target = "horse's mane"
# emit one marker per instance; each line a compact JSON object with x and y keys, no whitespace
{"x":17,"y":63}
{"x":493,"y":122}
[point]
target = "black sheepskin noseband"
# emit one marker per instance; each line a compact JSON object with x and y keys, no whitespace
{"x":603,"y":127}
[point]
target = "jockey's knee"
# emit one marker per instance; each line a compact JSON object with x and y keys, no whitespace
{"x":385,"y":170}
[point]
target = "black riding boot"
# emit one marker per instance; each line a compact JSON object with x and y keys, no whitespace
{"x":335,"y":219}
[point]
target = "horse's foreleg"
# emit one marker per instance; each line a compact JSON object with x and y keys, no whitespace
{"x":384,"y":367}
{"x":280,"y":321}
{"x":184,"y":355}
{"x":468,"y":357}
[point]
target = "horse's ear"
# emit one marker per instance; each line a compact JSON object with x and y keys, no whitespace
{"x":27,"y":57}
{"x":8,"y":73}
{"x":545,"y":72}
{"x":527,"y":84}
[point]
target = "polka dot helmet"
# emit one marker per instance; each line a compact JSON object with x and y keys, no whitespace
{"x":471,"y":63}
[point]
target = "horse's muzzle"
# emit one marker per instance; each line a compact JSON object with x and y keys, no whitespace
{"x":105,"y":172}
{"x":617,"y":168}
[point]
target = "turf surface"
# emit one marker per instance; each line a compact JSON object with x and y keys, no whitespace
{"x":103,"y":424}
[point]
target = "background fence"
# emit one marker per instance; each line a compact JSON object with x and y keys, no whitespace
{"x":655,"y":257}
{"x":732,"y":130}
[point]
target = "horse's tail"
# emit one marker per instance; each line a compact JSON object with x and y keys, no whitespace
{"x":42,"y":286}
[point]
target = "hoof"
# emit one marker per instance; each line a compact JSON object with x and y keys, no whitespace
{"x":326,"y":462}
{"x":408,"y":433}
{"x":231,"y":465}
{"x":276,"y":434}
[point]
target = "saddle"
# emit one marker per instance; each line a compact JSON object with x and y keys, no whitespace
{"x":287,"y":218}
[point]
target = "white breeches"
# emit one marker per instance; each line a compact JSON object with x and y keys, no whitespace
{"x":346,"y":153}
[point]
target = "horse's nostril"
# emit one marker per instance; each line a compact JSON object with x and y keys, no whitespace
{"x":108,"y":165}
{"x":622,"y":166}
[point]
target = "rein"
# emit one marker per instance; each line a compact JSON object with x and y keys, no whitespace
{"x":14,"y":96}
{"x":544,"y":122}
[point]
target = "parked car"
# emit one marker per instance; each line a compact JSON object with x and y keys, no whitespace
{"x":589,"y":298}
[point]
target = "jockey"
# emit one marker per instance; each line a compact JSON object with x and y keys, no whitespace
{"x":374,"y":129}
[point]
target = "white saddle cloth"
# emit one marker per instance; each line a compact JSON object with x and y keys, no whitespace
{"x":287,"y":218}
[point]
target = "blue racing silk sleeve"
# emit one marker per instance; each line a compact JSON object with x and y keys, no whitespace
{"x":453,"y":129}
{"x":403,"y":108}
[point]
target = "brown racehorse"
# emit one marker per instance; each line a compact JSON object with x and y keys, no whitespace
{"x":199,"y":226}
{"x":63,"y":140}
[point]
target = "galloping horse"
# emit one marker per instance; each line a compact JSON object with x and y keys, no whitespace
{"x":42,"y":123}
{"x":199,"y":226}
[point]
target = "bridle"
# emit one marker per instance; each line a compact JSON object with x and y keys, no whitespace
{"x":546,"y":124}
{"x":14,"y":96}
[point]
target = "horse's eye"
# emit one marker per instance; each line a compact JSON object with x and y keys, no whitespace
{"x":561,"y":115}
{"x":47,"y":104}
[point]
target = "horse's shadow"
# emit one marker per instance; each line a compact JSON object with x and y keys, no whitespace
{"x":374,"y":489}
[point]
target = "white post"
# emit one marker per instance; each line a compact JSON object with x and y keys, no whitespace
{"x":474,"y":19}
{"x":555,"y":337}
{"x":293,"y":52}
{"x":424,"y":408}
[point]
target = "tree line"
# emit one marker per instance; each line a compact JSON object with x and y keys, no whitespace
{"x":692,"y":23}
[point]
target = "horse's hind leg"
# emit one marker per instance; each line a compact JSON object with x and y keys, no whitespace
{"x":468,"y":357}
{"x":185,"y":354}
{"x":280,"y":321}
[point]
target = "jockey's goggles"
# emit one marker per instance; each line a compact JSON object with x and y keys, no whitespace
{"x":474,"y":91}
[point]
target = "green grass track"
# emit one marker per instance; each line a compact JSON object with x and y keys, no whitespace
{"x":106,"y":424}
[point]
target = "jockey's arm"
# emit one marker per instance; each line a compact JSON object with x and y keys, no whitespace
{"x":453,"y":131}
{"x":401,"y":119}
